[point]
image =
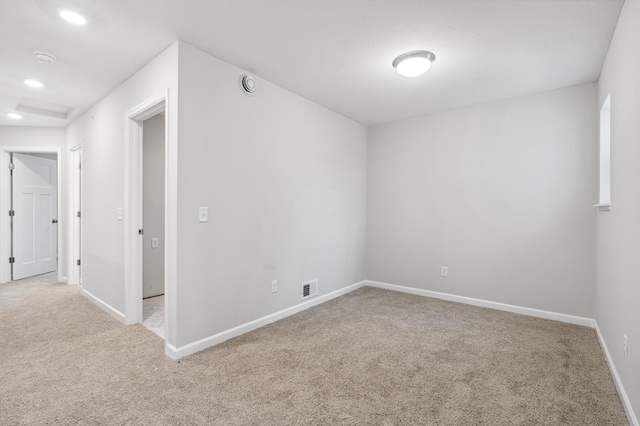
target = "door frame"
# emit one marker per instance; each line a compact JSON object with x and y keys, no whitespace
{"x":5,"y":222}
{"x":133,"y":213}
{"x":75,"y":205}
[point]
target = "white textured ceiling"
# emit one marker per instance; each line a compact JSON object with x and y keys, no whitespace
{"x":337,"y":53}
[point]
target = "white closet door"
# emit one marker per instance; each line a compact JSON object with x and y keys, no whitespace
{"x":35,"y":228}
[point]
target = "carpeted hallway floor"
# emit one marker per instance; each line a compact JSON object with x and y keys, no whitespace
{"x":372,"y":357}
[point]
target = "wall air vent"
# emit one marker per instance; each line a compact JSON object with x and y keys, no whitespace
{"x":309,"y":289}
{"x":248,"y":83}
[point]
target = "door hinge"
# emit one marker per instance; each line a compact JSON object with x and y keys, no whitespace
{"x":79,"y":165}
{"x":12,"y":213}
{"x":12,"y":166}
{"x":78,"y":262}
{"x":12,"y":259}
{"x":79,"y":214}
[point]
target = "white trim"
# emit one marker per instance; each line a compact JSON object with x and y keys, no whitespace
{"x":74,"y":177}
{"x":571,"y":319}
{"x":604,"y":156}
{"x":191,"y":348}
{"x":170,"y":221}
{"x":5,"y":246}
{"x":5,"y":233}
{"x":132,"y":207}
{"x":626,"y":403}
{"x":132,"y":244}
{"x":207,"y":342}
{"x":604,"y":207}
{"x":133,"y":211}
{"x":104,"y":306}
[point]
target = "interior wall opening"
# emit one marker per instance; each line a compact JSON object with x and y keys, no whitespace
{"x":153,"y":223}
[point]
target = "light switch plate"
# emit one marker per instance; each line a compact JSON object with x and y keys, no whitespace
{"x":203,"y":214}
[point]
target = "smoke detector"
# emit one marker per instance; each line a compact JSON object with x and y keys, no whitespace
{"x":44,"y":57}
{"x":248,"y":83}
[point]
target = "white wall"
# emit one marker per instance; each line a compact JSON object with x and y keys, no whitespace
{"x":102,"y":134}
{"x":500,"y":193}
{"x":618,"y":231}
{"x":53,"y":137}
{"x":285,"y":183}
{"x":153,"y":206}
{"x":48,"y":138}
{"x":53,"y":157}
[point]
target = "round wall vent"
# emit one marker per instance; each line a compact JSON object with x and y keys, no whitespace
{"x":44,"y":57}
{"x":248,"y":84}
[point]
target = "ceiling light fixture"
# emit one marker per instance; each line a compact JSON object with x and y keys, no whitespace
{"x":413,"y":64}
{"x":73,"y":17}
{"x":34,"y":83}
{"x":14,"y":115}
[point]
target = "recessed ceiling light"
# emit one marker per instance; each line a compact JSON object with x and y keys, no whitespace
{"x":73,"y":17}
{"x":34,"y":83}
{"x":14,"y":115}
{"x":413,"y":64}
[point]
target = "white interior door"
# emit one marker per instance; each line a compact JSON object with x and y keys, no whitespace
{"x":35,"y":229}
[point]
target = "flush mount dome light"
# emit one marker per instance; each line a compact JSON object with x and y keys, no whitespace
{"x":14,"y":115}
{"x":413,"y":64}
{"x":34,"y":83}
{"x":73,"y":17}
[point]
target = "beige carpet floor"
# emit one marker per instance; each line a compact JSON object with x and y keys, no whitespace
{"x":372,"y":357}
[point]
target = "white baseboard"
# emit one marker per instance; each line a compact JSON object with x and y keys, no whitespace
{"x":191,"y":348}
{"x":616,"y":379}
{"x":207,"y":342}
{"x":571,"y":319}
{"x":104,"y":306}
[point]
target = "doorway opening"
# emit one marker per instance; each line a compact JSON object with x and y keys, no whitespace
{"x":150,"y":217}
{"x":153,"y":241}
{"x":30,"y":232}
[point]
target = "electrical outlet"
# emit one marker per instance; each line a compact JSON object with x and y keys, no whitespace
{"x":154,"y":243}
{"x":625,"y":346}
{"x":444,"y":271}
{"x":274,"y":286}
{"x":86,"y":269}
